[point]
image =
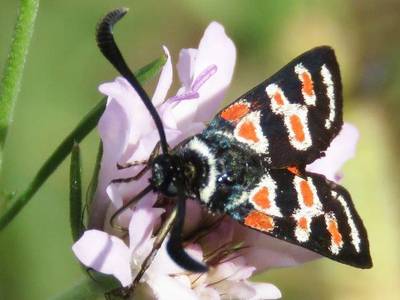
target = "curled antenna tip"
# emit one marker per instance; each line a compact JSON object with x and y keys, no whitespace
{"x":109,"y":20}
{"x":107,"y":45}
{"x":104,"y":34}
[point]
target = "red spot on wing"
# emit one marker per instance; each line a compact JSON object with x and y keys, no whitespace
{"x":261,"y":198}
{"x":308,"y":85}
{"x":247,"y":130}
{"x":306,"y":192}
{"x":260,"y":221}
{"x":297,"y":127}
{"x":235,"y":112}
{"x":303,"y":223}
{"x":278,"y":98}
{"x":335,"y":233}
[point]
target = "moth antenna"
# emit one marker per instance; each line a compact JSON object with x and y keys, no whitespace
{"x":174,"y":245}
{"x":107,"y":45}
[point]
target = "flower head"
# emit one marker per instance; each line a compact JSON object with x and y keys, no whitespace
{"x":129,"y":135}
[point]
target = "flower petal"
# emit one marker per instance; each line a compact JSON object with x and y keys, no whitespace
{"x":265,"y":291}
{"x":215,"y":48}
{"x":143,"y":148}
{"x":171,"y":118}
{"x":266,"y":252}
{"x":140,"y":121}
{"x":142,"y":224}
{"x":167,"y":288}
{"x":220,"y":236}
{"x":163,"y":264}
{"x":114,"y":120}
{"x":185,"y":66}
{"x":165,"y":81}
{"x":114,"y":132}
{"x":233,"y":269}
{"x":104,"y":253}
{"x":235,"y":289}
{"x":342,"y":148}
{"x":124,"y":121}
{"x":207,"y":293}
{"x":194,"y":216}
{"x":210,"y":70}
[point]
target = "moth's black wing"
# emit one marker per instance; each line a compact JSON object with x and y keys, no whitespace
{"x":292,"y":117}
{"x":311,"y":212}
{"x":256,"y":150}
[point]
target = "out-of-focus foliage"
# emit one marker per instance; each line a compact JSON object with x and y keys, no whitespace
{"x":60,"y":85}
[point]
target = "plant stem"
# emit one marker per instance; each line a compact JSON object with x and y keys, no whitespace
{"x":87,"y":288}
{"x":51,"y":164}
{"x":75,"y":194}
{"x":12,"y":76}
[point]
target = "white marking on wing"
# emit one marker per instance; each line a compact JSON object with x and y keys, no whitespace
{"x":327,"y":80}
{"x":355,"y":235}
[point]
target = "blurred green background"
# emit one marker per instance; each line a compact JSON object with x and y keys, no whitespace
{"x":60,"y":85}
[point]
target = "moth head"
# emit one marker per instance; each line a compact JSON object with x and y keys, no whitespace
{"x":167,"y":174}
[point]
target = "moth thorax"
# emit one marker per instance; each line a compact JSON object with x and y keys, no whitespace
{"x":167,"y":174}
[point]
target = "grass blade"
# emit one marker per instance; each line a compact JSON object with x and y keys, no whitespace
{"x":75,"y":194}
{"x":14,"y":68}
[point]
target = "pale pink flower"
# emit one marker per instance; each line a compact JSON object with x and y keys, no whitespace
{"x":342,"y":148}
{"x":123,"y":258}
{"x":128,"y":134}
{"x":112,"y":255}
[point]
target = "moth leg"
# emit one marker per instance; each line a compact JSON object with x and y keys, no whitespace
{"x":133,"y":178}
{"x":131,"y":164}
{"x":139,"y":175}
{"x":134,"y":200}
{"x":154,"y":153}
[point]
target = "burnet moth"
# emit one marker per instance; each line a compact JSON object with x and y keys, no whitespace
{"x":249,"y":163}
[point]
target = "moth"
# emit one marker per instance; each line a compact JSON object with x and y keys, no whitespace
{"x":249,"y":163}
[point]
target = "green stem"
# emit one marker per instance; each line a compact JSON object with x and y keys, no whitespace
{"x":75,"y":194}
{"x":11,"y":82}
{"x":87,"y":289}
{"x":51,"y":164}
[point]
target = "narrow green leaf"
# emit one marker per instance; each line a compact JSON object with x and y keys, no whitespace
{"x":95,"y":176}
{"x":89,"y":288}
{"x":77,"y":135}
{"x":151,"y":70}
{"x":14,"y":67}
{"x":51,"y":164}
{"x":98,"y":285}
{"x":75,"y":194}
